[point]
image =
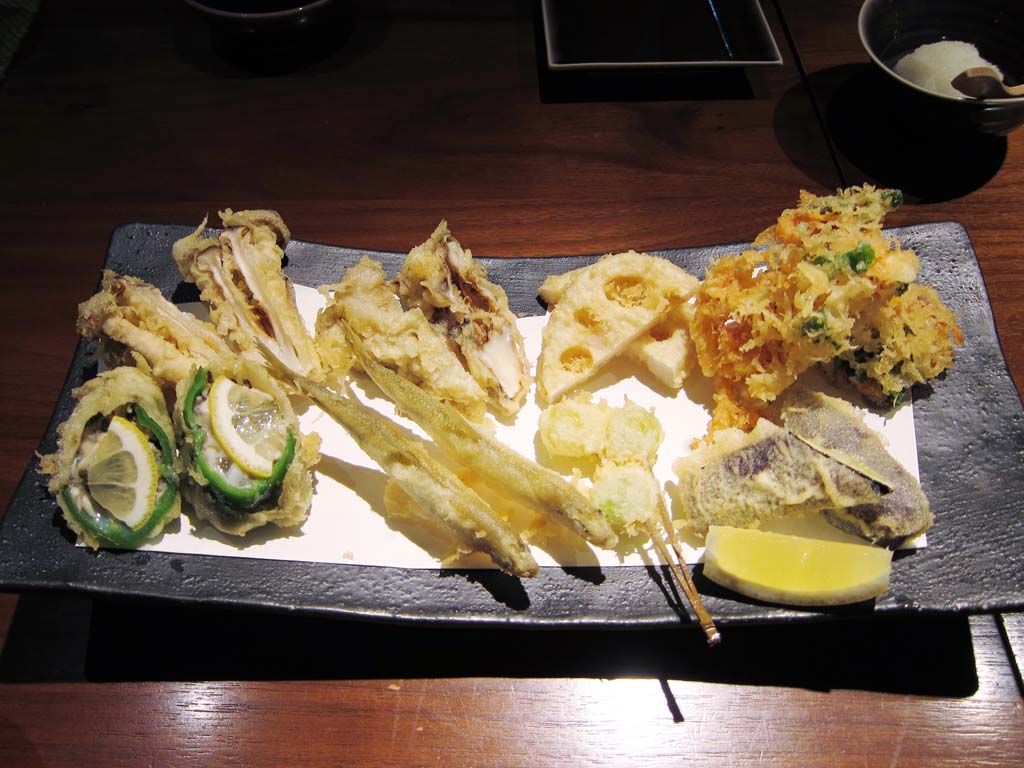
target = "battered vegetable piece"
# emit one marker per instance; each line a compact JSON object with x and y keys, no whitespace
{"x":831,"y":426}
{"x":114,"y":474}
{"x":576,"y":427}
{"x":764,"y":316}
{"x":442,"y":279}
{"x":401,"y":339}
{"x":135,"y":325}
{"x":743,"y":479}
{"x":628,"y":496}
{"x":251,"y":301}
{"x":665,"y":349}
{"x":538,"y":488}
{"x":625,"y":442}
{"x":905,"y":341}
{"x":429,"y":483}
{"x":247,"y":464}
{"x":601,"y":311}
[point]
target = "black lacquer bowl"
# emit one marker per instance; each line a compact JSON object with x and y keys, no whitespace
{"x":970,"y":431}
{"x":890,"y":29}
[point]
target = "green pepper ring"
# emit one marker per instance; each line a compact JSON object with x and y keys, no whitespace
{"x":233,"y":495}
{"x":112,"y":531}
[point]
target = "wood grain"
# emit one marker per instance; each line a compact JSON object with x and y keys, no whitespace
{"x":115,"y":112}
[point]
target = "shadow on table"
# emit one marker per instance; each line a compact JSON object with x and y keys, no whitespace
{"x":575,"y":86}
{"x":887,"y":135}
{"x":55,"y":638}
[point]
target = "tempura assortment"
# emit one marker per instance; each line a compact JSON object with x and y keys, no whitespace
{"x":824,"y":286}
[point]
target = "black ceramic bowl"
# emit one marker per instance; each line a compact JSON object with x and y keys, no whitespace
{"x":262,"y":18}
{"x":890,"y":29}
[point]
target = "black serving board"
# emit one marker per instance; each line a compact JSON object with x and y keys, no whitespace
{"x":970,"y":431}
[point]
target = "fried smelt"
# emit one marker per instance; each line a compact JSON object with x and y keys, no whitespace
{"x":428,"y":482}
{"x":135,"y":325}
{"x":251,"y":301}
{"x":538,"y":488}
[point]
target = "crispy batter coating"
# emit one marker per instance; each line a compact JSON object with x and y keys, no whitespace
{"x":536,"y":487}
{"x":251,"y":301}
{"x":135,"y":325}
{"x":831,"y":426}
{"x":806,"y":295}
{"x":601,"y":311}
{"x":743,"y":479}
{"x":905,"y":341}
{"x":401,"y":339}
{"x":442,"y":280}
{"x":290,"y":507}
{"x":665,"y":349}
{"x":433,"y":487}
{"x":109,"y":394}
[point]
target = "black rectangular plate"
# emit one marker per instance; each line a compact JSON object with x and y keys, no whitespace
{"x":610,"y":34}
{"x":970,"y":431}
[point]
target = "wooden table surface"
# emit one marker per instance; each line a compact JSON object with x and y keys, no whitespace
{"x":117,"y":112}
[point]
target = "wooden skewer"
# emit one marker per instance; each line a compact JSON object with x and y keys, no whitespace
{"x":678,"y":567}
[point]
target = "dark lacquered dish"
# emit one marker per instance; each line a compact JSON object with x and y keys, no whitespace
{"x":583,"y":34}
{"x":970,"y":431}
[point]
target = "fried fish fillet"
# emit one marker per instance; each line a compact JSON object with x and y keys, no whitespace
{"x":135,"y":325}
{"x":251,"y":301}
{"x":401,"y":339}
{"x":441,"y":278}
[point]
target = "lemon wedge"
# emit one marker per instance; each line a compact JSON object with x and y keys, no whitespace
{"x":248,"y":426}
{"x":794,"y":570}
{"x":122,"y":475}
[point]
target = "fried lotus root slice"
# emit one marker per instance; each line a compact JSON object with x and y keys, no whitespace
{"x":251,"y":301}
{"x":601,"y":312}
{"x":665,"y":349}
{"x":401,"y":339}
{"x":135,"y":325}
{"x":833,"y":427}
{"x":133,"y":466}
{"x":744,"y":479}
{"x":221,"y":488}
{"x":442,"y":280}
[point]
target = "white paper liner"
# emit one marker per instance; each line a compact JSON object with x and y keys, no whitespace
{"x":346,"y":524}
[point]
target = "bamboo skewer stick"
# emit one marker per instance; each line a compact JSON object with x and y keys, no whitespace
{"x":678,"y":567}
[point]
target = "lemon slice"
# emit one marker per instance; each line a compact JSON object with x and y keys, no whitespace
{"x":794,"y":570}
{"x":248,"y":425}
{"x":122,"y":475}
